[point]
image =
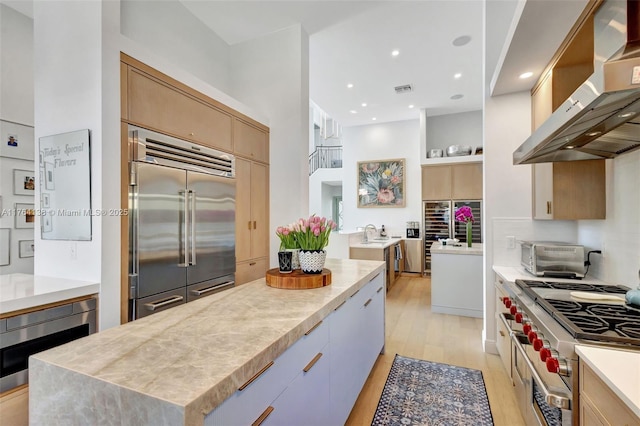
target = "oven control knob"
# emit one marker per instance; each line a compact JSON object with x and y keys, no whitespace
{"x":532,"y":335}
{"x":559,"y":366}
{"x":507,"y":302}
{"x":539,"y":344}
{"x":526,"y":329}
{"x":547,"y":352}
{"x":519,"y":318}
{"x":513,"y":309}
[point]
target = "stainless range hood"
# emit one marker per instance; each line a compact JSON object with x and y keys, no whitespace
{"x":601,"y":119}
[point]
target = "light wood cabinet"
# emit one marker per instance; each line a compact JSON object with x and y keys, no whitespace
{"x":154,"y":103}
{"x":250,"y":141}
{"x":251,"y":270}
{"x":599,"y":405}
{"x":452,"y":182}
{"x":569,"y":190}
{"x":14,"y":407}
{"x":252,"y":216}
{"x":386,"y":255}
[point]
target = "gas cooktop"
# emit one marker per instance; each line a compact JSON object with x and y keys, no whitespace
{"x":603,"y":321}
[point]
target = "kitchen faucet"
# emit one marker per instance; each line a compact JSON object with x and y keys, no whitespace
{"x":365,"y":238}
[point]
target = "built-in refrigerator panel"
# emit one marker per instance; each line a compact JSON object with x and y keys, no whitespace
{"x":211,"y":207}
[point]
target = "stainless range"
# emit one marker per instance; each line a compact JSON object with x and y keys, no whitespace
{"x":546,"y":319}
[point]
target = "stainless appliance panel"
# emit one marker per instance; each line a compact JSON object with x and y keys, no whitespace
{"x":160,"y":198}
{"x":211,"y":239}
{"x":413,"y":255}
{"x":160,"y":302}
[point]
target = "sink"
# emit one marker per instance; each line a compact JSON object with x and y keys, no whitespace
{"x":381,"y":239}
{"x":372,"y":242}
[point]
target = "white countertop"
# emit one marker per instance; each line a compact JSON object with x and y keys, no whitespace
{"x":24,"y":291}
{"x":619,"y":369}
{"x":476,"y":249}
{"x":512,"y":273}
{"x":377,"y":243}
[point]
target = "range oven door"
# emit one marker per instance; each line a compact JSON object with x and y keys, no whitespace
{"x":544,"y":399}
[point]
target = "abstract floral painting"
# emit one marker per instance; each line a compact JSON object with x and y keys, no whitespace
{"x":381,"y":183}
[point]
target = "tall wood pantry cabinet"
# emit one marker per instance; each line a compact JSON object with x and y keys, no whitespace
{"x":155,"y":101}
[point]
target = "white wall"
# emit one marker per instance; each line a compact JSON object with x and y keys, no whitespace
{"x":16,"y":106}
{"x":400,"y":139}
{"x":272,"y":75}
{"x":464,"y":128}
{"x":619,"y":235}
{"x":170,"y":31}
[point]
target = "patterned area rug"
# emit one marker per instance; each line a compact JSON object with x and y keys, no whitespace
{"x":429,"y":393}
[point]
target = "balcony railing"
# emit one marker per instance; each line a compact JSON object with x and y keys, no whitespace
{"x":325,"y":157}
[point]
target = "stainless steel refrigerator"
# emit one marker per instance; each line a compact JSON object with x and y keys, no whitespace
{"x":440,"y":223}
{"x":181,"y":222}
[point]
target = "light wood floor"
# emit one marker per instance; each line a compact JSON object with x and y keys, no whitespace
{"x":412,"y":330}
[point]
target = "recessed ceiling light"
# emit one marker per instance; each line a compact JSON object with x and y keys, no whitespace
{"x":456,"y":97}
{"x":374,"y":119}
{"x":461,"y":41}
{"x":596,"y":133}
{"x":353,"y":111}
{"x":526,"y":75}
{"x":626,"y":114}
{"x":457,"y":75}
{"x":349,"y":86}
{"x":569,"y":147}
{"x":395,"y":53}
{"x":364,"y":104}
{"x":411,"y":106}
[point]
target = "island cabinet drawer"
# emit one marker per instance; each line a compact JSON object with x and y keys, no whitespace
{"x":247,"y":404}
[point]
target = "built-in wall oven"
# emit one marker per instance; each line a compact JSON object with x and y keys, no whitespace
{"x":24,"y":335}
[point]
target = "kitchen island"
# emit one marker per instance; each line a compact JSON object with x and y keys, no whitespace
{"x":384,"y":249}
{"x":456,"y":279}
{"x":186,"y":365}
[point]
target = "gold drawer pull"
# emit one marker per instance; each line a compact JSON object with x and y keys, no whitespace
{"x":367,"y":303}
{"x":252,"y":263}
{"x":355,"y":293}
{"x":254,"y":224}
{"x":502,"y":333}
{"x":548,"y":207}
{"x":249,"y":225}
{"x":258,"y":374}
{"x":263,"y":416}
{"x":501,"y":282}
{"x":379,"y":290}
{"x":313,"y":328}
{"x":340,"y":305}
{"x":312,"y":363}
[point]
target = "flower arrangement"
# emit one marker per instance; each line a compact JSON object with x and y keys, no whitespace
{"x":287,"y":236}
{"x":464,"y":214}
{"x":313,"y":233}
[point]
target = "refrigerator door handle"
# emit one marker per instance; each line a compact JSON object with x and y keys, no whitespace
{"x":185,"y":228}
{"x":134,"y":225}
{"x":192,"y":196}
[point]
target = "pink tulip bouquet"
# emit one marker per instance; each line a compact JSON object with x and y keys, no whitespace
{"x":313,"y":233}
{"x":287,"y":235}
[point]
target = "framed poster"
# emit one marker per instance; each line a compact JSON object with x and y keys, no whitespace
{"x":25,"y":248}
{"x":24,"y":182}
{"x":381,"y":183}
{"x":5,"y":246}
{"x":25,"y":215}
{"x":17,"y":140}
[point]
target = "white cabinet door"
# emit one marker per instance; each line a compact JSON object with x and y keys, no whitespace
{"x":306,"y":400}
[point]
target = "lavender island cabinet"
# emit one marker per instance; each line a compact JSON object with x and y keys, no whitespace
{"x":249,"y":353}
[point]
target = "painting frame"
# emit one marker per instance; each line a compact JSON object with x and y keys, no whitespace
{"x":381,"y":183}
{"x":5,"y":246}
{"x":27,"y":219}
{"x":25,"y":249}
{"x":24,"y":182}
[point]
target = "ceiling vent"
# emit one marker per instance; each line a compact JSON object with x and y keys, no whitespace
{"x":403,"y":89}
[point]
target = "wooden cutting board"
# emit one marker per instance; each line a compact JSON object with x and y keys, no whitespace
{"x":297,"y":280}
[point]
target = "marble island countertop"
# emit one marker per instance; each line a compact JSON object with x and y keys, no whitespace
{"x":25,"y":291}
{"x":377,"y":243}
{"x":177,"y":365}
{"x":475,"y":249}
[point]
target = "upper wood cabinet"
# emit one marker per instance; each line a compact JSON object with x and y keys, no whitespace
{"x":452,"y":182}
{"x":569,"y":190}
{"x":250,"y":141}
{"x":153,"y":103}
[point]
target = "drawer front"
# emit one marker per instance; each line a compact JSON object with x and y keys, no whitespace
{"x":251,"y":270}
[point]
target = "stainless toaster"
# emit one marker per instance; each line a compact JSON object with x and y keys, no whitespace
{"x":553,"y":259}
